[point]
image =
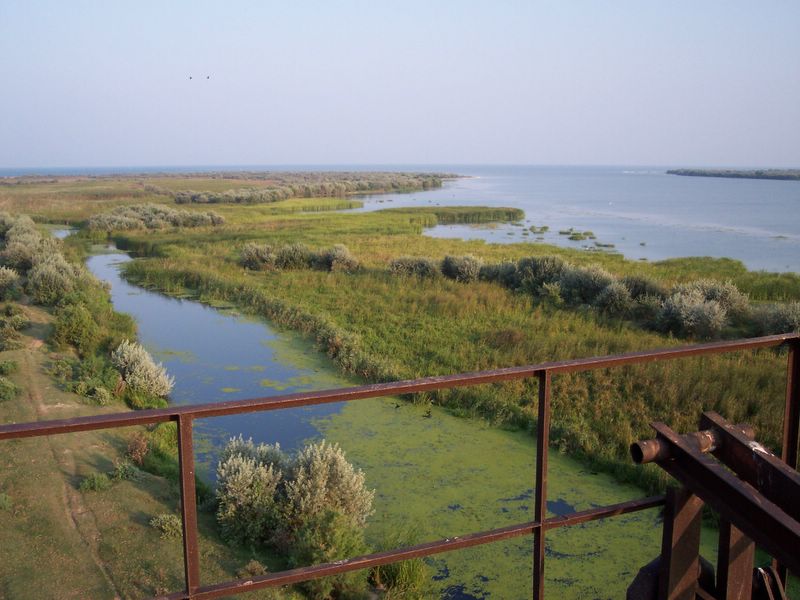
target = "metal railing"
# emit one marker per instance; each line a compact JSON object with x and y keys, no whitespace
{"x":185,"y":415}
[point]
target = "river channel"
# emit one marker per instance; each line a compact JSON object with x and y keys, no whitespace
{"x":435,"y":475}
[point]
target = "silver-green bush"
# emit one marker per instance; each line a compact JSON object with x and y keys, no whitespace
{"x":534,"y":272}
{"x":778,"y":318}
{"x":139,"y":371}
{"x":689,"y":313}
{"x":726,"y":294}
{"x":582,"y":285}
{"x":415,"y":266}
{"x":9,"y":279}
{"x":615,"y":300}
{"x":461,"y":268}
{"x":152,"y":216}
{"x":321,"y":480}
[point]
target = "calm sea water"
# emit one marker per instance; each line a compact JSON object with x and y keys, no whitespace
{"x":644,"y":212}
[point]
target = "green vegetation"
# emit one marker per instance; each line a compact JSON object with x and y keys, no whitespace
{"x":265,"y":257}
{"x":274,"y":186}
{"x":168,"y":524}
{"x":552,"y":304}
{"x":96,"y":482}
{"x":313,"y":507}
{"x":784,"y":174}
{"x":151,"y":216}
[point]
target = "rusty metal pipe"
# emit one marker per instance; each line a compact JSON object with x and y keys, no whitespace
{"x":707,"y":440}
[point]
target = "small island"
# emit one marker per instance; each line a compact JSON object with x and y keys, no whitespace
{"x":779,"y":174}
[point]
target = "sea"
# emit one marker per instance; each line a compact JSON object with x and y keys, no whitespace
{"x":640,"y":212}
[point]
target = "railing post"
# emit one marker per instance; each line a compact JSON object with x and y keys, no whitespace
{"x":791,"y":422}
{"x":191,"y":560}
{"x":540,"y":501}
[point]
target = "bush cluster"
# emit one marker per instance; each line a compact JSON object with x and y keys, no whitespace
{"x":313,"y":506}
{"x":296,"y":256}
{"x":139,"y":371}
{"x":778,"y":318}
{"x":152,"y":216}
{"x":9,"y":283}
{"x":702,"y":308}
{"x":281,"y":186}
{"x":8,"y":390}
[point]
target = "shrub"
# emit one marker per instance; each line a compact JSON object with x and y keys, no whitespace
{"x":615,"y":300}
{"x":730,"y":299}
{"x":75,"y":326}
{"x":139,"y":400}
{"x":639,"y":287}
{"x":18,"y":254}
{"x":96,"y":482}
{"x":61,"y":369}
{"x":690,"y":314}
{"x":16,"y":322}
{"x":337,"y":258}
{"x":328,"y":537}
{"x":257,"y":256}
{"x":7,"y":367}
{"x":8,"y":390}
{"x":5,"y":502}
{"x":9,"y":279}
{"x":9,"y":338}
{"x":50,"y":278}
{"x":414,"y":266}
{"x":138,"y":447}
{"x":582,"y":285}
{"x":152,"y":216}
{"x":125,"y":470}
{"x":102,"y":396}
{"x":293,"y":256}
{"x":247,"y":509}
{"x":503,"y":273}
{"x":169,"y":525}
{"x":139,"y":370}
{"x":647,"y":310}
{"x":406,"y":579}
{"x":251,"y":569}
{"x":778,"y":318}
{"x":535,"y":272}
{"x":461,"y":268}
{"x":321,"y":480}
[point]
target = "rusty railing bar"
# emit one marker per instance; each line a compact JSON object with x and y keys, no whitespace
{"x":791,"y":424}
{"x":143,"y":417}
{"x":237,"y":586}
{"x":540,"y":501}
{"x":191,"y":554}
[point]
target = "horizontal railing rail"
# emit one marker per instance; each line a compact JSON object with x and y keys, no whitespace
{"x":185,"y":415}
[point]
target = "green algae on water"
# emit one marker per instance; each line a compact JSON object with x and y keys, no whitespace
{"x":453,"y":476}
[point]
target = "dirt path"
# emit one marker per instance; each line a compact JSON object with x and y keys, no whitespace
{"x":78,"y":515}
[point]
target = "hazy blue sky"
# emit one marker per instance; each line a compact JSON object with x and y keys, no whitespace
{"x":563,"y":82}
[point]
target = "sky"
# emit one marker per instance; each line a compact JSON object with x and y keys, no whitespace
{"x":622,"y":82}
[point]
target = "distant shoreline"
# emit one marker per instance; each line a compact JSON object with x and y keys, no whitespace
{"x":777,"y":174}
